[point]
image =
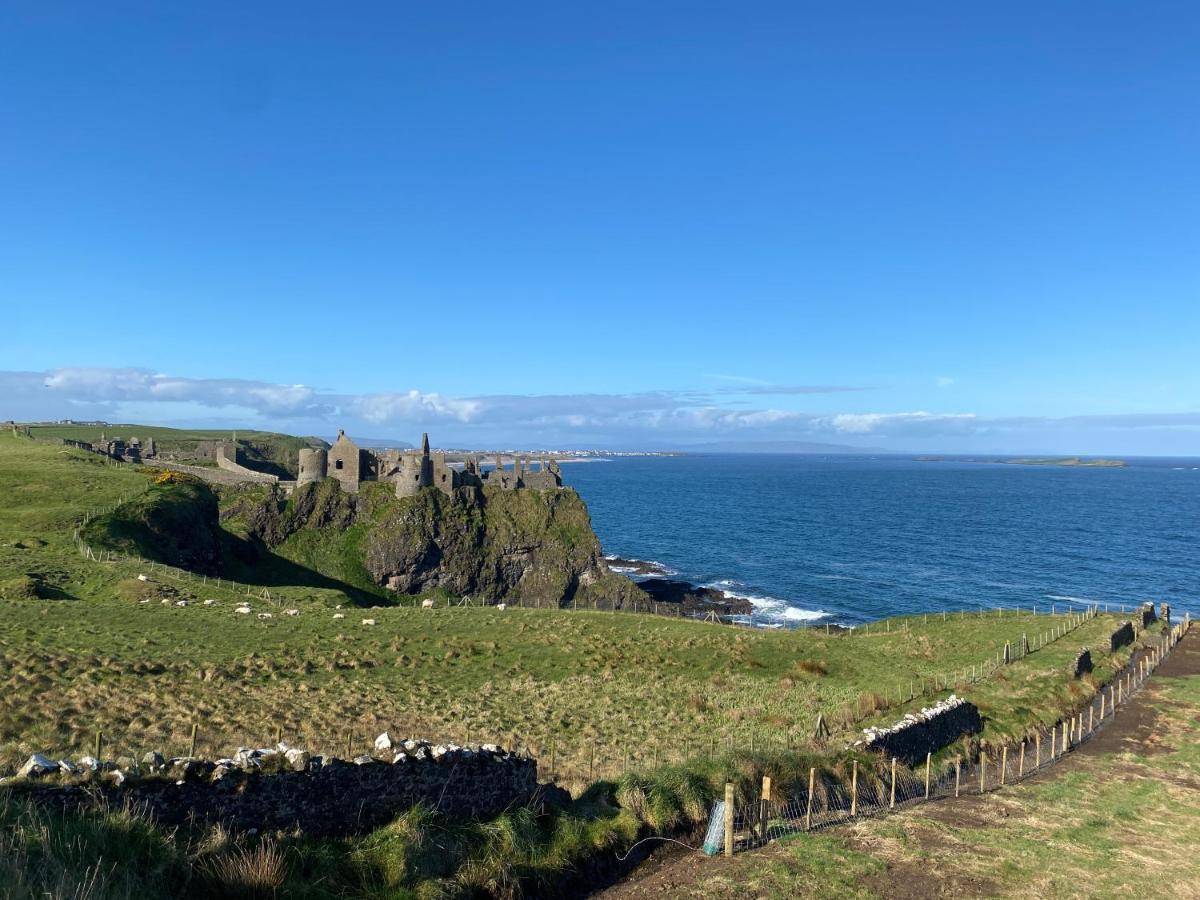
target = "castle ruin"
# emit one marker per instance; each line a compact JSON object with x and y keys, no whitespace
{"x":411,"y":471}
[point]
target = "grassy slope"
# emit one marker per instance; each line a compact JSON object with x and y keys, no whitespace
{"x":1117,"y":824}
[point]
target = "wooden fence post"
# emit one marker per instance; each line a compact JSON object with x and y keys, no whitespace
{"x":1003,"y":763}
{"x":729,"y":818}
{"x":764,"y":807}
{"x":982,"y":768}
{"x":957,"y":773}
{"x":812,"y":779}
{"x":1021,"y":761}
{"x":99,"y":744}
{"x":1091,"y":718}
{"x":928,"y":766}
{"x":592,"y":762}
{"x":192,"y":751}
{"x":892,"y":804}
{"x":854,"y":789}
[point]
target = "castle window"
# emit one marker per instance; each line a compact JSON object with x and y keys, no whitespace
{"x":338,"y":464}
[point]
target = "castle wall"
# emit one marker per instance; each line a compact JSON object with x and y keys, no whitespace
{"x":344,"y":462}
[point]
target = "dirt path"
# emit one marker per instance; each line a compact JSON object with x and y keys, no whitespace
{"x":673,"y":872}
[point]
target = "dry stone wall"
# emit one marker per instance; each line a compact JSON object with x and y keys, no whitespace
{"x":288,"y":788}
{"x":925,"y":732}
{"x":1122,"y":636}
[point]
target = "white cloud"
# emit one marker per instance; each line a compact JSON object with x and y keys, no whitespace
{"x":867,"y":423}
{"x":651,"y":418}
{"x":944,"y":381}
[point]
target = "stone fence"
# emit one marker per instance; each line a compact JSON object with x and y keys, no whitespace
{"x":288,"y":788}
{"x":928,"y":731}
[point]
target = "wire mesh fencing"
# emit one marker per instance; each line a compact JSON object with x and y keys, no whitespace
{"x":899,"y":783}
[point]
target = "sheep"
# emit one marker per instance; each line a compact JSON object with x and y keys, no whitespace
{"x":243,"y":610}
{"x":368,"y":621}
{"x":291,"y":612}
{"x":339,"y":615}
{"x":502,"y":606}
{"x":210,"y":602}
{"x":264,"y":616}
{"x":426,"y":604}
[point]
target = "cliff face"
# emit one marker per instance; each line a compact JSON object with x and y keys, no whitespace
{"x":536,"y":546}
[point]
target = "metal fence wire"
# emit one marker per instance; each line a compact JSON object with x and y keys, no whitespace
{"x":826,"y":802}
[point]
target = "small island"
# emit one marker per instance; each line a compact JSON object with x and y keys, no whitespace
{"x":1066,"y":461}
{"x":1074,"y":461}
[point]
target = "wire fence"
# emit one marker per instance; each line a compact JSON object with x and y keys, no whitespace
{"x":825,"y":802}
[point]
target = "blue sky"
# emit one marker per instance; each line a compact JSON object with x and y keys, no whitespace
{"x":920,"y":226}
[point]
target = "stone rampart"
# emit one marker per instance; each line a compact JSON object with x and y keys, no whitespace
{"x":218,"y":476}
{"x":244,"y":474}
{"x":925,"y":732}
{"x":1146,"y":616}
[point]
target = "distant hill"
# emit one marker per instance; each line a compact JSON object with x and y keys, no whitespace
{"x":265,"y":451}
{"x":778,"y":447}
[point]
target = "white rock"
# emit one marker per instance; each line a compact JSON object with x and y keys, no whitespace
{"x":363,"y":760}
{"x":37,"y":765}
{"x":143,"y":601}
{"x":89,"y":762}
{"x":298,"y":759}
{"x":243,"y":610}
{"x":291,"y":612}
{"x":264,"y":616}
{"x":383,"y":742}
{"x":210,"y":602}
{"x":65,"y":765}
{"x":166,"y":601}
{"x":143,"y":578}
{"x":181,"y":603}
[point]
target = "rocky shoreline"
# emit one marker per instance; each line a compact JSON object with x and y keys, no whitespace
{"x":691,"y":599}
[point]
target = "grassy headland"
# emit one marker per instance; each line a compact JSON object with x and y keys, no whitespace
{"x":601,"y":692}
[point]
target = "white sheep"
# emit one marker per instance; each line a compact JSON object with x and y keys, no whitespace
{"x":426,"y":604}
{"x":291,"y":612}
{"x":502,"y":606}
{"x":143,"y":578}
{"x":368,"y":621}
{"x":210,"y":602}
{"x":264,"y":616}
{"x":339,"y":615}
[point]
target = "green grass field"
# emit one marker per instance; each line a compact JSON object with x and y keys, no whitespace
{"x":1111,"y":822}
{"x":595,"y":692}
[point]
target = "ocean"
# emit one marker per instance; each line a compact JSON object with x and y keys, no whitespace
{"x":849,"y":539}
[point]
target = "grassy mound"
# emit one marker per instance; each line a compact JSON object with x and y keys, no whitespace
{"x":175,"y":522}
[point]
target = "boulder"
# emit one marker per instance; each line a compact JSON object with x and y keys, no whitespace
{"x":36,"y":766}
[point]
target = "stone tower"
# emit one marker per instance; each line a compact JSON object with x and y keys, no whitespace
{"x":313,"y":466}
{"x":415,"y":472}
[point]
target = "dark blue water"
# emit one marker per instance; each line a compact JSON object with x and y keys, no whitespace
{"x":850,"y":539}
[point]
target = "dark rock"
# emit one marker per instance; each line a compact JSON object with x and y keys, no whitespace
{"x":691,"y":599}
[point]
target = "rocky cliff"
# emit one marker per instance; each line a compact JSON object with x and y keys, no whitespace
{"x":533,"y":546}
